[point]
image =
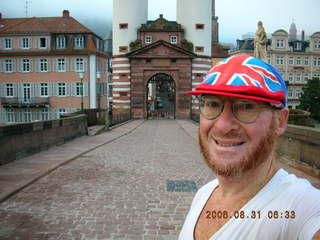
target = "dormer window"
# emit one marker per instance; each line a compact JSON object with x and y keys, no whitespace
{"x":61,"y":42}
{"x":173,"y":39}
{"x":26,"y":43}
{"x":298,"y":46}
{"x":43,"y":42}
{"x":317,"y":45}
{"x":7,"y":43}
{"x":280,"y":43}
{"x":148,"y":39}
{"x":79,"y":42}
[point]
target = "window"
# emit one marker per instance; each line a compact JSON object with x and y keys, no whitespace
{"x":298,"y":79}
{"x":298,"y":93}
{"x":27,"y":115}
{"x":280,"y":43}
{"x":199,"y":26}
{"x":62,"y":89}
{"x":199,"y":49}
{"x":148,"y":39}
{"x":316,"y":61}
{"x":279,"y":60}
{"x":43,"y":89}
{"x":7,"y":43}
{"x":269,"y":59}
{"x":11,"y":115}
{"x":123,"y":49}
{"x":43,"y":65}
{"x":79,"y":65}
{"x":123,"y":25}
{"x":60,"y":112}
{"x":306,"y":77}
{"x":26,"y":43}
{"x":149,"y":60}
{"x":45,"y":114}
{"x":298,"y":60}
{"x":43,"y":42}
{"x":298,"y":46}
{"x":306,"y":61}
{"x":61,"y":65}
{"x":79,"y":42}
{"x":25,"y":65}
{"x":26,"y":92}
{"x":9,"y":90}
{"x":8,"y":66}
{"x":173,"y":39}
{"x":290,"y":77}
{"x":79,"y":89}
{"x":61,"y":42}
{"x":316,"y":75}
{"x":290,"y":60}
{"x":317,"y":45}
{"x":289,"y":93}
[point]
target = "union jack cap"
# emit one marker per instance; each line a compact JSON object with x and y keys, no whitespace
{"x":246,"y":77}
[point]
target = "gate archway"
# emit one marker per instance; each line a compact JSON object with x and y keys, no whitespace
{"x":161,"y":97}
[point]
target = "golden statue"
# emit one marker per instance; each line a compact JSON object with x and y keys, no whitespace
{"x":260,"y":43}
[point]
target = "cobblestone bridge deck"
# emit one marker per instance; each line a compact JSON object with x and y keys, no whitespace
{"x":134,"y":182}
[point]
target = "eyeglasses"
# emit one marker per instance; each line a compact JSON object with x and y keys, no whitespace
{"x":246,"y":111}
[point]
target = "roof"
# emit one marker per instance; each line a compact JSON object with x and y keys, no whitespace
{"x":37,"y":25}
{"x":161,"y":24}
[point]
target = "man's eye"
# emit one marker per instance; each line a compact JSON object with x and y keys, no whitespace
{"x":213,"y":104}
{"x":247,"y":106}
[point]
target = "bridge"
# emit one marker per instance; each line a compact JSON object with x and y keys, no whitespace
{"x":136,"y":181}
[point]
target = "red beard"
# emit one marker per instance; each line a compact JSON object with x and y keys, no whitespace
{"x":258,"y":156}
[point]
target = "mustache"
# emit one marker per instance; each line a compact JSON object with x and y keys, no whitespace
{"x":230,"y":135}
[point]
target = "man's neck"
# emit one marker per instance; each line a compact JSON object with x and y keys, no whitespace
{"x":248,"y":184}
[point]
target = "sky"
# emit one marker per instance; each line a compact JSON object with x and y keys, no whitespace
{"x":235,"y":17}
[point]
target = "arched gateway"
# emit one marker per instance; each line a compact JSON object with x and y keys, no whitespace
{"x":155,"y":62}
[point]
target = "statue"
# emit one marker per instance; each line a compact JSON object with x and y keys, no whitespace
{"x":260,"y":43}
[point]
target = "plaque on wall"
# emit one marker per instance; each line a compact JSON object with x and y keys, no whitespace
{"x":137,"y":101}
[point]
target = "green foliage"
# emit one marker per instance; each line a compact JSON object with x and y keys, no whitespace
{"x":310,"y":99}
{"x":134,"y":45}
{"x":187,"y":45}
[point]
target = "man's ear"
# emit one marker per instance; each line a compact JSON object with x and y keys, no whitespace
{"x":282,"y":119}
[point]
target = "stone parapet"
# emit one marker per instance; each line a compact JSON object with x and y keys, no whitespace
{"x":302,"y":145}
{"x":20,"y":140}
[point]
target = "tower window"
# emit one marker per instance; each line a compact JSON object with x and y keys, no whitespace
{"x":200,"y":26}
{"x":199,"y":49}
{"x":123,"y":25}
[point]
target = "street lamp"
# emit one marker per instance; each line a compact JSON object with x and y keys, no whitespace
{"x":98,"y":75}
{"x":81,"y":75}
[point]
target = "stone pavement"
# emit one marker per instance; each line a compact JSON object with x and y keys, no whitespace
{"x":134,"y":182}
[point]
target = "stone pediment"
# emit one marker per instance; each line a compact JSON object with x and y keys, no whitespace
{"x":161,"y":49}
{"x":280,"y":32}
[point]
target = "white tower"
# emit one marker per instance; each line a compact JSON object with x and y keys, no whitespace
{"x":128,"y":15}
{"x":196,"y":18}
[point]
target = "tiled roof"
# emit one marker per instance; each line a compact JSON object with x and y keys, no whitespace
{"x":41,"y":25}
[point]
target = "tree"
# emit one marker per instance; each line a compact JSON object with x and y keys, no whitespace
{"x":310,"y":99}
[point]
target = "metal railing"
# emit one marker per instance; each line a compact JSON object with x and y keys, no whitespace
{"x":25,"y":101}
{"x":118,"y":118}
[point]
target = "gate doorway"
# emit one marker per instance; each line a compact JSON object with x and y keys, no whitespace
{"x":161,"y":97}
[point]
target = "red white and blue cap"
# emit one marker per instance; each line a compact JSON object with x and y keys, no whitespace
{"x":245,"y":77}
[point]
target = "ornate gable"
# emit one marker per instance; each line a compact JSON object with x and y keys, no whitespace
{"x":161,"y":24}
{"x":161,"y":49}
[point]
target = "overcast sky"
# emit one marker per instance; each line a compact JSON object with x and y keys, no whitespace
{"x":236,"y":17}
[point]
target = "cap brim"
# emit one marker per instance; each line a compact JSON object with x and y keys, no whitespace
{"x":232,"y":94}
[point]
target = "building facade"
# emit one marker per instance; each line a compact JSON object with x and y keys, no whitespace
{"x":150,"y":56}
{"x":48,"y":67}
{"x":297,"y":60}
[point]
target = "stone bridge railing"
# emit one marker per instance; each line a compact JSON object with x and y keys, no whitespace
{"x":302,"y":146}
{"x":20,"y":140}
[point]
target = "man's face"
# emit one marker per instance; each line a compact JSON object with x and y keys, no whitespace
{"x":231,"y":147}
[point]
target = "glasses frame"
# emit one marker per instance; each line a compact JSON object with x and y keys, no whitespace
{"x":261,"y":104}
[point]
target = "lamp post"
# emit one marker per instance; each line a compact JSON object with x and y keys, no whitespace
{"x":81,"y":75}
{"x":98,"y":75}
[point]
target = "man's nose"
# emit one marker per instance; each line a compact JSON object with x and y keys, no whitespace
{"x":226,"y":120}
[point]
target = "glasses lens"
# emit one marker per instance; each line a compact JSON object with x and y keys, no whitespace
{"x":246,"y":111}
{"x":210,"y":108}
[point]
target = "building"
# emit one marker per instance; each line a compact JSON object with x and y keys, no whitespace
{"x":49,"y":66}
{"x":298,"y":60}
{"x":156,"y":62}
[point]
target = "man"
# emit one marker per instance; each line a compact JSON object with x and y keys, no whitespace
{"x":243,"y":110}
